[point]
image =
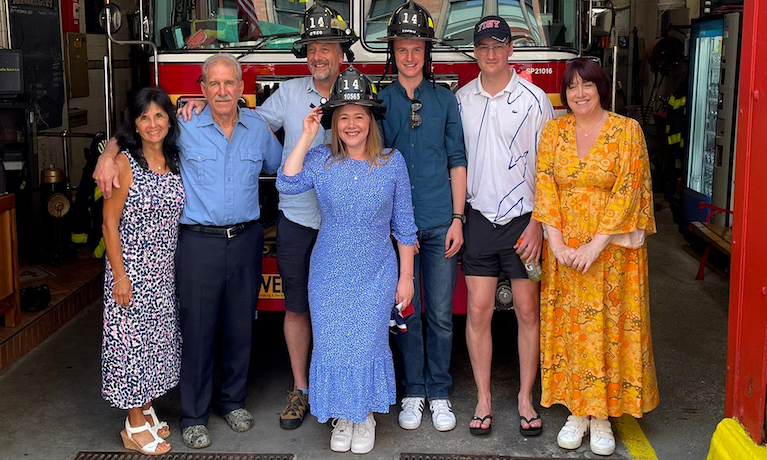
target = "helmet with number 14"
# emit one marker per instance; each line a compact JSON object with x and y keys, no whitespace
{"x":324,"y":24}
{"x":410,"y":21}
{"x":352,"y":87}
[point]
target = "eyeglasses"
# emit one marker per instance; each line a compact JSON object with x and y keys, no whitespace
{"x":484,"y":49}
{"x":415,"y":117}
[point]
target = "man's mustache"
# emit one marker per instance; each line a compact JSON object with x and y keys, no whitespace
{"x":223,"y":98}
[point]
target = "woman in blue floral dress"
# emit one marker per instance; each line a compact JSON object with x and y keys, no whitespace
{"x":354,"y":281}
{"x":141,"y":350}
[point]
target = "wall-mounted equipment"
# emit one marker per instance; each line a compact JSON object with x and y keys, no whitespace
{"x":11,"y":73}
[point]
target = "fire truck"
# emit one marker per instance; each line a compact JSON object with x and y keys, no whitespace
{"x":260,"y":33}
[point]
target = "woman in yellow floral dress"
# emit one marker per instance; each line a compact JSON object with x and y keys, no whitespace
{"x":594,"y":198}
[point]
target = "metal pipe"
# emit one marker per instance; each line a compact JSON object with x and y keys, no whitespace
{"x":579,"y":12}
{"x":66,"y":157}
{"x":107,"y":101}
{"x":135,"y":42}
{"x":615,"y":74}
{"x":590,"y":19}
{"x":108,"y":71}
{"x":141,"y":20}
{"x":67,"y":134}
{"x":7,"y":13}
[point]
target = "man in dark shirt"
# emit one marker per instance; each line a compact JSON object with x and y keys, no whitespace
{"x":423,"y":123}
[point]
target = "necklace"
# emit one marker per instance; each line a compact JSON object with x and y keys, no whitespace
{"x":598,"y":123}
{"x":160,"y":166}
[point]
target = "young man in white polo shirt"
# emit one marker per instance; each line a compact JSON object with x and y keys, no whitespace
{"x":503,"y":116}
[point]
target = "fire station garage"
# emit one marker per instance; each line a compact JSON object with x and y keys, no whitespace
{"x":689,"y":73}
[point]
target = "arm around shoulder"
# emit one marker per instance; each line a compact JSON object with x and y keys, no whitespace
{"x":106,"y":174}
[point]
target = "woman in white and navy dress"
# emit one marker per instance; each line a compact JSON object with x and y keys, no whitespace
{"x":141,"y":350}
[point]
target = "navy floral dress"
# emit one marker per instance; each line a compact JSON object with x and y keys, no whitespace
{"x":353,"y":278}
{"x":141,"y":350}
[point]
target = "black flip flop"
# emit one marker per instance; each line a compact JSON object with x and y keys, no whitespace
{"x":479,"y":431}
{"x":532,"y":431}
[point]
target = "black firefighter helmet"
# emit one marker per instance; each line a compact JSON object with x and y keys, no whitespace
{"x":410,"y":20}
{"x":352,"y":87}
{"x":324,"y":24}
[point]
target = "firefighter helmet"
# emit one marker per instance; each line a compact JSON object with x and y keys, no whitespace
{"x":324,"y":24}
{"x":352,"y":87}
{"x":410,"y":20}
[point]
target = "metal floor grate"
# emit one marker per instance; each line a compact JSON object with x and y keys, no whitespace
{"x":181,"y":456}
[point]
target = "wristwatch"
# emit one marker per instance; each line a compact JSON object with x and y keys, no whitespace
{"x":460,"y":217}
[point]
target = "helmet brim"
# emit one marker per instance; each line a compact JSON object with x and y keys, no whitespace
{"x":391,"y":38}
{"x":328,"y":108}
{"x":349,"y":41}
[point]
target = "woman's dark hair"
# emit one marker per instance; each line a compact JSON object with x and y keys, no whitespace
{"x":128,"y":137}
{"x":588,"y":70}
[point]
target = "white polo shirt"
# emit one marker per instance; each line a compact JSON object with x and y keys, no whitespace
{"x":501,"y":135}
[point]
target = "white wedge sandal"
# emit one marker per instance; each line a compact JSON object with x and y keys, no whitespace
{"x":156,"y":424}
{"x":149,"y":448}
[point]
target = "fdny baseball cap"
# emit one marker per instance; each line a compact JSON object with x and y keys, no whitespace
{"x":494,"y":27}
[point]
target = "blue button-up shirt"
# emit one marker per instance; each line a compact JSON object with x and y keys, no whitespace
{"x":430,"y":150}
{"x":221,"y":175}
{"x":286,"y":108}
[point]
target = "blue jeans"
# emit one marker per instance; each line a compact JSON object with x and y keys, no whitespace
{"x":427,"y":375}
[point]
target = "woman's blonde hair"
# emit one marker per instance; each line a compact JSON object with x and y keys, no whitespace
{"x":375,"y":153}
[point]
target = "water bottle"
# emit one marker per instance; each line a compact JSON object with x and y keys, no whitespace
{"x":533,"y":269}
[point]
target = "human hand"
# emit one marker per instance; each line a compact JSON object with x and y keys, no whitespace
{"x":585,"y":255}
{"x":454,"y":239}
{"x":311,"y":123}
{"x":405,"y":289}
{"x":416,"y":247}
{"x":107,"y":175}
{"x":122,"y":291}
{"x":192,"y":107}
{"x":529,"y":244}
{"x":563,"y":254}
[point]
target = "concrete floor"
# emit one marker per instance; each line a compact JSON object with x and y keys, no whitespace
{"x":51,"y":404}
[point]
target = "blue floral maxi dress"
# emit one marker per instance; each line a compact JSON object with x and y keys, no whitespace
{"x":141,"y":349}
{"x":353,"y":279}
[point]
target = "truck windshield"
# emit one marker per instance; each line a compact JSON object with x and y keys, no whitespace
{"x":275,"y":24}
{"x":533,"y":23}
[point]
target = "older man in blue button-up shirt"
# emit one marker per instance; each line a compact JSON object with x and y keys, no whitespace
{"x":218,"y":261}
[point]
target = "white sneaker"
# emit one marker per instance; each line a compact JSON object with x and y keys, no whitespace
{"x":411,"y":413}
{"x":364,"y":437}
{"x":602,"y":439}
{"x":571,"y":435}
{"x":341,"y":436}
{"x":442,"y":416}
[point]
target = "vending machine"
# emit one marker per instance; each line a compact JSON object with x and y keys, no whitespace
{"x":709,"y":163}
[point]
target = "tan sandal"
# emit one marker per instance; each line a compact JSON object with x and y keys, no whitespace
{"x":147,"y":449}
{"x":156,"y":424}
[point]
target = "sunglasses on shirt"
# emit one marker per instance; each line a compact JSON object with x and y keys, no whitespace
{"x":415,"y":117}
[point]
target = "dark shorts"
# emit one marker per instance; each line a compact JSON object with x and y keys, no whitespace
{"x":294,"y":249}
{"x":489,"y":248}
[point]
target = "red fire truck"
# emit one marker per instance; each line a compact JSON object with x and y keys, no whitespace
{"x":546,"y":34}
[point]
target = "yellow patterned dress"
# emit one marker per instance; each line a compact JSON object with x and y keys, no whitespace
{"x":596,"y":350}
